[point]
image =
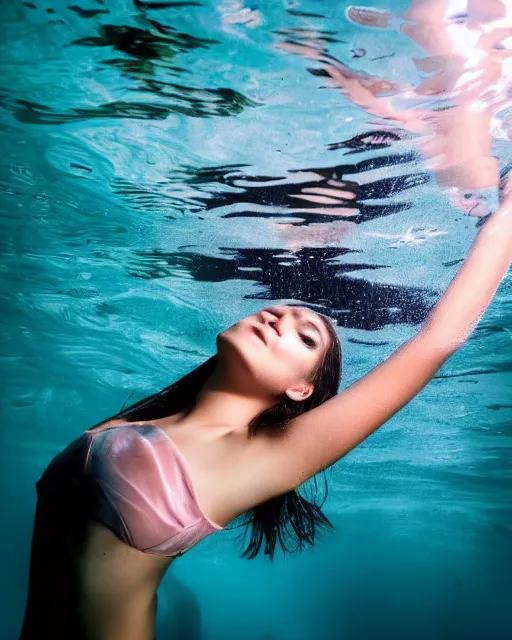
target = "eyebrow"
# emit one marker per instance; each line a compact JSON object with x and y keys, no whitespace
{"x":315,"y":326}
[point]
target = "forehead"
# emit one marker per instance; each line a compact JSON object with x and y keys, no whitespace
{"x":307,"y":313}
{"x":300,"y":310}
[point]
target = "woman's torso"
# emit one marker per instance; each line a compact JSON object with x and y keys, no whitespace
{"x":108,"y":588}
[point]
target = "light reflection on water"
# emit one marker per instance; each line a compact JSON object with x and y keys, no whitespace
{"x":170,"y":167}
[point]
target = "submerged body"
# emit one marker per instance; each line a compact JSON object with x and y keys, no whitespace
{"x":115,"y":509}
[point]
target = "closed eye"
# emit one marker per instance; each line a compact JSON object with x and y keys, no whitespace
{"x":307,"y":340}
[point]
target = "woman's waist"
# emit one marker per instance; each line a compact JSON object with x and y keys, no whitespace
{"x":118,"y":583}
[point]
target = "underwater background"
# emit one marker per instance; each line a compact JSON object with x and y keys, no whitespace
{"x":170,"y":167}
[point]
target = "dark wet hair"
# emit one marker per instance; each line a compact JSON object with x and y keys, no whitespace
{"x":284,"y":517}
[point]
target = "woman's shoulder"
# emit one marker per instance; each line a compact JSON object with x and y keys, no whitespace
{"x":114,"y":423}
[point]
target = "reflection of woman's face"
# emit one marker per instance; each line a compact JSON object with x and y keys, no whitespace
{"x":472,"y":205}
{"x":279,"y":346}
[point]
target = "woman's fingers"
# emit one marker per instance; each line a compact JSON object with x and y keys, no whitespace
{"x":369,"y":17}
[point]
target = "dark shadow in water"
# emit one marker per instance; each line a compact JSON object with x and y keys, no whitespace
{"x":147,"y":50}
{"x":87,"y":13}
{"x":165,"y":5}
{"x":310,"y":275}
{"x":312,"y":194}
{"x":304,"y":14}
{"x":332,"y":186}
{"x":188,"y":102}
{"x":324,"y":34}
{"x":369,"y":141}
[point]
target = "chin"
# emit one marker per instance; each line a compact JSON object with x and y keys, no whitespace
{"x":230,"y":342}
{"x":234,"y":348}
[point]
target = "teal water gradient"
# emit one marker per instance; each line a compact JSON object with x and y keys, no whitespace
{"x":131,"y":136}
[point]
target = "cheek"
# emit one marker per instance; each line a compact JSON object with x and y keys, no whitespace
{"x":294,"y":357}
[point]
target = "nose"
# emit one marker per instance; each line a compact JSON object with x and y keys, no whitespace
{"x":278,"y":318}
{"x":266,"y":317}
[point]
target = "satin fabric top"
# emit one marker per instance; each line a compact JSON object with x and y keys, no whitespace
{"x":132,"y":479}
{"x":146,"y":492}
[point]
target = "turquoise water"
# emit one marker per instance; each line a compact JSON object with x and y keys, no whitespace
{"x":153,"y":163}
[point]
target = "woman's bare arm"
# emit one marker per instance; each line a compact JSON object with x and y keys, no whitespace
{"x":317,"y":439}
{"x":472,"y":290}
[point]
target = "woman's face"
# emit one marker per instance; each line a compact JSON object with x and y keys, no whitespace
{"x":276,"y":349}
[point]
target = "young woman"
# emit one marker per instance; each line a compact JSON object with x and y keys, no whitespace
{"x":238,"y":434}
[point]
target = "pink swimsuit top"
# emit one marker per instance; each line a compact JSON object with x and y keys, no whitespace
{"x":146,"y":492}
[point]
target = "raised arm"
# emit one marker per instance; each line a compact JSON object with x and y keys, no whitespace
{"x":317,"y":439}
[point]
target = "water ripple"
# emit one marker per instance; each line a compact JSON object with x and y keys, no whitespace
{"x":306,"y":275}
{"x":146,"y":204}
